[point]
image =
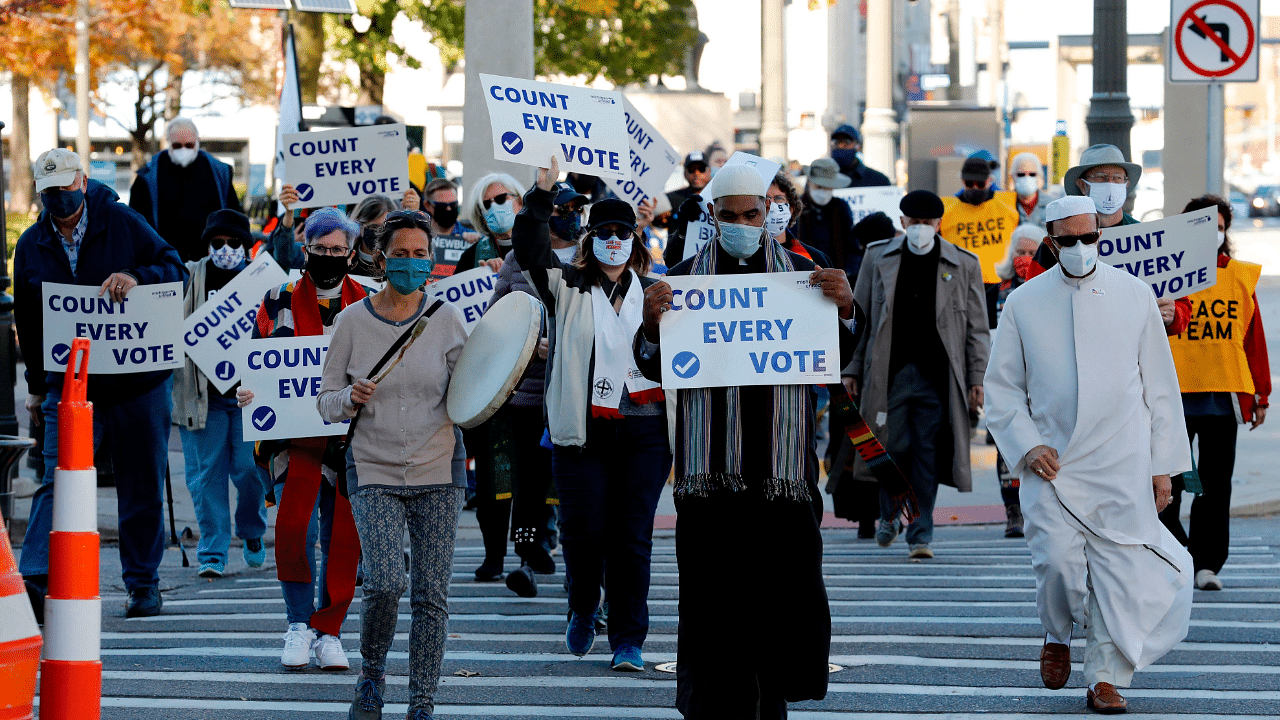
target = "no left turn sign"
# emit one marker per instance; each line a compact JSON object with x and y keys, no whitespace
{"x":1213,"y":41}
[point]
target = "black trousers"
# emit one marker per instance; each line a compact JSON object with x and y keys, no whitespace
{"x":533,"y":477}
{"x":1211,"y":512}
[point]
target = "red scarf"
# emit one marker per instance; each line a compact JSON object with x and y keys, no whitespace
{"x":303,"y":479}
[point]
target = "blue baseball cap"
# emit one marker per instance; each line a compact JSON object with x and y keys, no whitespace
{"x":848,"y":131}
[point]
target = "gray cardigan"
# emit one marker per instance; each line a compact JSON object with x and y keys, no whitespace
{"x":190,"y":386}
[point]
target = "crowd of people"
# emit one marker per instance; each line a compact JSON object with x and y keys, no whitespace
{"x":933,"y":329}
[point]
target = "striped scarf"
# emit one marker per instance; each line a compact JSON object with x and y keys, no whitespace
{"x":709,"y":445}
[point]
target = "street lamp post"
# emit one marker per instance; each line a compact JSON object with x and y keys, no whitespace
{"x":1110,"y":119}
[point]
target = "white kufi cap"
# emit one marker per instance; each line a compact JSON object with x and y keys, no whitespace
{"x":738,"y":180}
{"x":1069,"y":206}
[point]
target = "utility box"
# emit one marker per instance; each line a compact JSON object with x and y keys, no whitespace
{"x":940,"y":136}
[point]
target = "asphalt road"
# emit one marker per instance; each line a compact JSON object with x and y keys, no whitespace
{"x":954,"y":637}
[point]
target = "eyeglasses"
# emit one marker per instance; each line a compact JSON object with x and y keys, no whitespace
{"x":1118,"y":178}
{"x":232,"y":243}
{"x":179,"y":146}
{"x":776,"y":199}
{"x":500,"y":199}
{"x":1067,"y":241}
{"x":606,"y":233}
{"x":328,"y":251}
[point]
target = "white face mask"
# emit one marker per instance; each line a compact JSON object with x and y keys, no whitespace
{"x":920,"y":238}
{"x":1108,"y":197}
{"x":779,"y":218}
{"x":612,"y":251}
{"x":1222,"y":237}
{"x":1079,"y":259}
{"x":566,"y":254}
{"x":821,"y":195}
{"x":226,"y":257}
{"x":740,"y":241}
{"x":1026,"y":185}
{"x":183,"y":157}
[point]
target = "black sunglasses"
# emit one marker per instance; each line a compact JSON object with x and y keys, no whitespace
{"x":1067,"y":241}
{"x":696,"y":168}
{"x":232,"y":243}
{"x":440,"y":206}
{"x":975,"y":184}
{"x":500,"y":199}
{"x":606,"y":233}
{"x":179,"y":146}
{"x":402,"y":219}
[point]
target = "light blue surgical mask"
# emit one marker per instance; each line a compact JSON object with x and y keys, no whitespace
{"x":740,"y":241}
{"x":500,"y":218}
{"x":408,"y":274}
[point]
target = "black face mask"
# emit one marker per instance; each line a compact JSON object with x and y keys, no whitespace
{"x":976,"y":196}
{"x":844,"y":157}
{"x":326,"y":271}
{"x":62,"y":203}
{"x":445,"y":214}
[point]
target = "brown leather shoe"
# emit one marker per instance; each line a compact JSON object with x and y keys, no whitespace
{"x":1055,"y":665}
{"x":1106,"y":700}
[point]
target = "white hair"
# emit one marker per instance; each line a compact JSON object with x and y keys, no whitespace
{"x":1025,"y":157}
{"x":1025,"y":231}
{"x":180,"y":123}
{"x":475,"y":198}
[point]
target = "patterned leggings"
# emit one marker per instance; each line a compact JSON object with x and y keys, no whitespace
{"x":431,"y":514}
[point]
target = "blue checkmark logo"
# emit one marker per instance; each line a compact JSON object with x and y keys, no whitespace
{"x":512,"y":143}
{"x":225,"y":370}
{"x":305,"y":192}
{"x":61,"y":352}
{"x":264,"y":418}
{"x":685,"y":365}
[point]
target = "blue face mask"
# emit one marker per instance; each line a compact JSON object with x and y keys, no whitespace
{"x":62,"y":203}
{"x":740,"y":241}
{"x":844,"y":157}
{"x":566,"y":226}
{"x":408,"y":274}
{"x":500,"y":218}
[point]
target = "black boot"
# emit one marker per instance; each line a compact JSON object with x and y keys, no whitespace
{"x":522,"y":583}
{"x":1013,"y":520}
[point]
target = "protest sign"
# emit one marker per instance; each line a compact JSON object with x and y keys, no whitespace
{"x":864,"y":201}
{"x":584,"y":128}
{"x":1177,"y":256}
{"x":213,"y":333}
{"x":983,"y":230}
{"x":754,"y":329}
{"x":140,"y":334}
{"x":652,"y":160}
{"x":447,"y":250}
{"x":471,"y":291}
{"x":344,"y":166}
{"x":703,"y":229}
{"x":284,"y":375}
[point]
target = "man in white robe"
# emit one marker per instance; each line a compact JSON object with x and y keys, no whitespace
{"x":1081,"y":388}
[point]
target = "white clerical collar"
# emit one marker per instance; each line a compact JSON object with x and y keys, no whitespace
{"x":1077,"y":282}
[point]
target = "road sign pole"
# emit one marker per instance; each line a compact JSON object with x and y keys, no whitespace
{"x":1215,"y":167}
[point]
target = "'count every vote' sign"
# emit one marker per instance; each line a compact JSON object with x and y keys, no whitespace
{"x":140,"y":334}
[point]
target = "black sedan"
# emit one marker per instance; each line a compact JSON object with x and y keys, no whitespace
{"x":1265,"y":201}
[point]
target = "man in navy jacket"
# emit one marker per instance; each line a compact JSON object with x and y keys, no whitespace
{"x":85,"y":236}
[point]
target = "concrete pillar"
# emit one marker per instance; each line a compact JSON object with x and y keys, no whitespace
{"x":499,"y":40}
{"x":880,"y":123}
{"x":1110,"y":119}
{"x":846,"y":73}
{"x":773,"y":80}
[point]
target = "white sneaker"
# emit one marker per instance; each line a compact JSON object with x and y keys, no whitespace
{"x":329,"y":653}
{"x":1208,"y":580}
{"x":297,"y":646}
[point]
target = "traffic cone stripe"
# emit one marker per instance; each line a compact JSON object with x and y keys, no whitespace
{"x":72,"y":630}
{"x":79,"y":553}
{"x":77,"y":510}
{"x":19,"y":622}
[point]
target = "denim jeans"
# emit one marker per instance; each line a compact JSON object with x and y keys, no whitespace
{"x":211,"y":456}
{"x":299,"y":597}
{"x":608,"y":496}
{"x":136,"y":430}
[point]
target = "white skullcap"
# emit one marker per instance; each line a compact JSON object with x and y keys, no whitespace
{"x":738,"y":180}
{"x":1069,"y":206}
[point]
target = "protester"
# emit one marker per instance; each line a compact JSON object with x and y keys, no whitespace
{"x":716,"y":156}
{"x":1033,"y":196}
{"x":209,"y":422}
{"x":755,"y":625}
{"x":84,"y":236}
{"x":919,"y":370}
{"x":827,"y":223}
{"x":785,"y":208}
{"x":179,"y":187}
{"x":400,"y":459}
{"x":1225,"y":376}
{"x":980,"y":218}
{"x":369,"y":214}
{"x":286,"y":241}
{"x":309,"y":495}
{"x":494,"y":202}
{"x":1013,"y":272}
{"x":442,"y":205}
{"x":610,"y":455}
{"x":846,"y":150}
{"x":533,"y":476}
{"x":696,"y":174}
{"x":1097,"y":430}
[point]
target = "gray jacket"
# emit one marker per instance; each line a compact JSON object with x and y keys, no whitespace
{"x":190,"y":386}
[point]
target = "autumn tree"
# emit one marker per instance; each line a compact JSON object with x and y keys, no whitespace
{"x":623,"y":41}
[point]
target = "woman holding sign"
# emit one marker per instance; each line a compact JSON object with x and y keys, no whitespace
{"x":610,"y":456}
{"x":401,"y":457}
{"x":1225,"y":376}
{"x":310,"y":497}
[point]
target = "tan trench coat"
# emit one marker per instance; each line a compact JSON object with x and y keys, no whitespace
{"x":962,"y":327}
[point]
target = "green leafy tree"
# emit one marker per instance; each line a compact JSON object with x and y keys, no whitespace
{"x":623,"y":41}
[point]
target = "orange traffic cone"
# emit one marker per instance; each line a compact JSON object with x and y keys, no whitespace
{"x":19,"y":641}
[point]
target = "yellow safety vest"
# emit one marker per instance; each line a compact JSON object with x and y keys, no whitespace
{"x":1210,"y":355}
{"x":983,"y":230}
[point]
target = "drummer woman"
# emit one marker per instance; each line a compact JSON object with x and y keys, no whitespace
{"x":402,"y":450}
{"x":610,"y":456}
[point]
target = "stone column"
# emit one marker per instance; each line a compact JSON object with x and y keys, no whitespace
{"x":499,"y":40}
{"x":773,"y":80}
{"x":1110,"y":118}
{"x":880,"y":123}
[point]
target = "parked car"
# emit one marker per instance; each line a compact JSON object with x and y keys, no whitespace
{"x":1239,"y":203}
{"x":1265,"y":201}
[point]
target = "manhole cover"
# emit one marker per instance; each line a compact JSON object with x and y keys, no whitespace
{"x":671,"y":667}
